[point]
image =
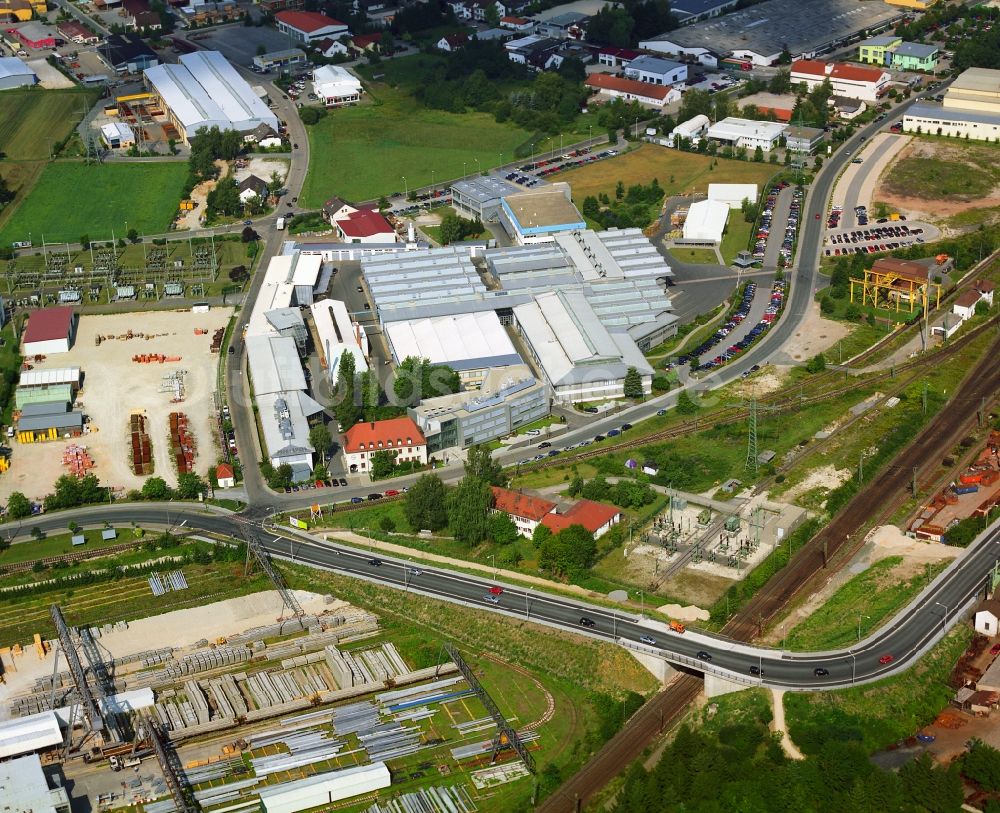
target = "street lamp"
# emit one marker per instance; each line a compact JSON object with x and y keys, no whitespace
{"x":479,"y":167}
{"x":406,"y":190}
{"x":642,"y":604}
{"x":944,"y":618}
{"x":493,"y":558}
{"x":860,"y":616}
{"x":854,"y":666}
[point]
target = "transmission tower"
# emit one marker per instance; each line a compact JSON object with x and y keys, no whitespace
{"x":256,"y":552}
{"x":752,"y":462}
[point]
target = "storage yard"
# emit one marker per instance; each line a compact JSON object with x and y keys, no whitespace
{"x":428,"y":730}
{"x":153,"y":391}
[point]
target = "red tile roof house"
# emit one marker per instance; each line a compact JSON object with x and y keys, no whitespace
{"x":399,"y":435}
{"x":596,"y":517}
{"x":225,"y":476}
{"x":526,"y":510}
{"x":365,"y":226}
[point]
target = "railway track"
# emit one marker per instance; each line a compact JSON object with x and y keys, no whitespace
{"x":838,"y":539}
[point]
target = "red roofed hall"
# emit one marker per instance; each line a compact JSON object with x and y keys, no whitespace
{"x":225,"y":476}
{"x":365,"y":226}
{"x":309,"y":26}
{"x":50,"y":330}
{"x":852,"y":81}
{"x":596,"y":517}
{"x":526,"y":510}
{"x":617,"y":87}
{"x":398,"y":435}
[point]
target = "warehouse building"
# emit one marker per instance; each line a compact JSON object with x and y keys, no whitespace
{"x":762,"y":32}
{"x":579,"y":358}
{"x":24,"y":788}
{"x":202,"y":91}
{"x":733,"y":194}
{"x":309,"y":26}
{"x":656,"y":71}
{"x":747,"y":133}
{"x":508,"y":398}
{"x":706,"y":222}
{"x":279,"y":60}
{"x":336,"y":86}
{"x":291,"y":280}
{"x":47,"y":385}
{"x":691,"y":11}
{"x":336,"y":333}
{"x":15,"y":74}
{"x":24,"y":735}
{"x":971,"y":109}
{"x":35,"y":35}
{"x":850,"y":81}
{"x":50,"y":330}
{"x":323,"y":789}
{"x":48,"y":420}
{"x":127,"y":53}
{"x":117,"y":135}
{"x":479,"y":198}
{"x":472,"y":344}
{"x":538,"y":215}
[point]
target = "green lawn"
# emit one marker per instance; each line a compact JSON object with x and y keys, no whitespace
{"x":362,"y":152}
{"x":32,"y":550}
{"x":955,"y":170}
{"x":737,"y":236}
{"x":72,"y":198}
{"x":31,"y":121}
{"x":877,"y":594}
{"x":701,"y":256}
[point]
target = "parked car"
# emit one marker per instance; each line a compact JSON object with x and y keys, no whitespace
{"x":356,"y":500}
{"x":374,"y":496}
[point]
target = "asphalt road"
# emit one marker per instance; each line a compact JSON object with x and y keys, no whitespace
{"x":914,"y":630}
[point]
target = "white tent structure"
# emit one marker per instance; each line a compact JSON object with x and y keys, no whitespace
{"x":733,"y":194}
{"x":706,"y":221}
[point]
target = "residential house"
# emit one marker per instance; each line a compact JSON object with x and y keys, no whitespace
{"x":337,"y":209}
{"x":401,"y":436}
{"x":225,"y":476}
{"x":914,"y":56}
{"x":330,"y":47}
{"x":615,"y":87}
{"x":452,"y":42}
{"x":878,"y":50}
{"x":308,"y":26}
{"x":525,"y":510}
{"x":534,"y":51}
{"x":617,"y":57}
{"x":852,"y":81}
{"x":596,"y":517}
{"x":73,"y":31}
{"x":987,"y":616}
{"x":252,"y":187}
{"x":263,"y":135}
{"x":519,"y":25}
{"x":965,"y":306}
{"x":847,"y":109}
{"x":986,"y":289}
{"x":657,"y":71}
{"x":478,"y":10}
{"x":363,"y":43}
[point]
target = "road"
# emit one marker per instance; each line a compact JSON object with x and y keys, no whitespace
{"x":914,"y":630}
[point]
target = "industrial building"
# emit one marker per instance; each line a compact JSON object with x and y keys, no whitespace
{"x":508,"y":398}
{"x":536,"y":216}
{"x":762,"y":32}
{"x":337,"y":333}
{"x":117,"y":135}
{"x":48,"y":420}
{"x":747,"y":133}
{"x":15,"y":74}
{"x":803,"y":139}
{"x":24,"y":788}
{"x":336,"y":86}
{"x":657,"y":71}
{"x":706,"y":222}
{"x":25,"y":735}
{"x":579,"y":358}
{"x":691,"y":11}
{"x":50,"y":330}
{"x":47,"y":385}
{"x":309,"y":26}
{"x":733,"y":194}
{"x":692,"y":129}
{"x":203,"y":90}
{"x":365,"y":226}
{"x":127,"y":53}
{"x":479,"y":197}
{"x":325,"y":788}
{"x":850,"y":81}
{"x":470,"y":343}
{"x":971,"y":109}
{"x":399,"y":435}
{"x":279,"y":60}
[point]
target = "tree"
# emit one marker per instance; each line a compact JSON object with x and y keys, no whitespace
{"x":981,"y":764}
{"x":469,"y":509}
{"x":572,"y":549}
{"x":189,"y":486}
{"x":454,"y":229}
{"x":371,"y":394}
{"x":425,"y":504}
{"x":479,"y":463}
{"x":591,"y":207}
{"x":133,"y":235}
{"x":18,"y":506}
{"x":6,"y":195}
{"x":540,"y":534}
{"x":685,"y":404}
{"x":310,"y":115}
{"x":417,"y":379}
{"x":283,"y":475}
{"x":780,"y":83}
{"x":632,"y":386}
{"x":758,"y":154}
{"x":387,"y":524}
{"x":492,"y":15}
{"x":248,"y":235}
{"x":816,"y":364}
{"x":346,"y":408}
{"x":155,"y":488}
{"x":503,"y":531}
{"x":383,"y":464}
{"x":84,"y":241}
{"x":319,"y":438}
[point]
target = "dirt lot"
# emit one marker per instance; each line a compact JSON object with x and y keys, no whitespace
{"x":114,"y":386}
{"x":816,"y":334}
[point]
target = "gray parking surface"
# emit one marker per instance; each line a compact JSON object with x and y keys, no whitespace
{"x":779,"y":222}
{"x":761,"y":300}
{"x":239,"y":42}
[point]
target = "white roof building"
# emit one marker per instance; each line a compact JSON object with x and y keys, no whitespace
{"x":324,"y":788}
{"x":579,"y":357}
{"x":24,"y":788}
{"x":469,"y":343}
{"x":116,"y":134}
{"x":15,"y":74}
{"x":706,"y":221}
{"x":204,"y":90}
{"x":338,"y":332}
{"x":274,"y":364}
{"x":733,"y":194}
{"x":747,"y":133}
{"x":47,"y":378}
{"x":27,"y":734}
{"x":336,"y":85}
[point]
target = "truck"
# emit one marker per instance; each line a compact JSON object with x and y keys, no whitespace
{"x":119,"y":762}
{"x":280,"y":224}
{"x":677,"y":627}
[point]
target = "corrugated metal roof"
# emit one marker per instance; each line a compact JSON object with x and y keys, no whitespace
{"x":274,"y":364}
{"x":39,"y":378}
{"x":26,"y":734}
{"x":464,"y":341}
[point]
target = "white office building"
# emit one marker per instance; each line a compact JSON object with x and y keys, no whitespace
{"x":747,"y":133}
{"x":203,"y":90}
{"x":657,"y":71}
{"x":336,"y":86}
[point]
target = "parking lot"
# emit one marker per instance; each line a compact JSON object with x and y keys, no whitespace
{"x":239,"y":43}
{"x":752,"y":319}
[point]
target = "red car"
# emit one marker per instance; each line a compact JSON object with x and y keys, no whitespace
{"x":496,"y":591}
{"x":817,"y":215}
{"x":995,"y":650}
{"x":392,"y":492}
{"x":885,"y":659}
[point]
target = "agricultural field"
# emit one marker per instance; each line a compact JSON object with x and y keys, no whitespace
{"x":31,"y":121}
{"x":363,"y":152}
{"x":679,"y":173}
{"x":71,"y":199}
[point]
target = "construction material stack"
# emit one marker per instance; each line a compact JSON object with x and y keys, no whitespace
{"x":142,"y":450}
{"x":182,"y":444}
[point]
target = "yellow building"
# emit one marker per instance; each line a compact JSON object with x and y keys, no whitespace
{"x":919,"y":5}
{"x":900,"y":285}
{"x":21,"y":10}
